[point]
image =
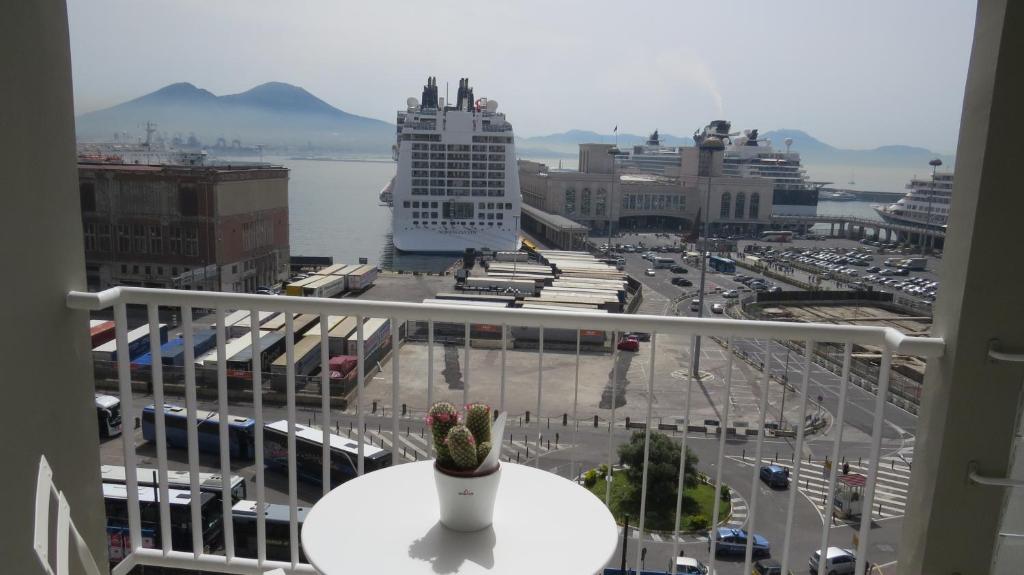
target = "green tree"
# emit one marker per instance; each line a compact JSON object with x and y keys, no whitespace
{"x":662,"y":478}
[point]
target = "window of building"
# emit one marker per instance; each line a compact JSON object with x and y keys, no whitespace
{"x":234,"y":269}
{"x":174,"y":244}
{"x":104,"y":237}
{"x":124,"y":238}
{"x":726,"y":204}
{"x":124,"y":268}
{"x":139,"y":238}
{"x":585,"y":202}
{"x":601,"y":204}
{"x":149,"y":271}
{"x":156,"y":240}
{"x":741,"y":205}
{"x":191,"y":242}
{"x":159,"y":270}
{"x":87,"y":191}
{"x":500,"y":215}
{"x":135,"y":270}
{"x":90,"y":237}
{"x":570,"y":201}
{"x":755,"y":205}
{"x":188,"y":201}
{"x":647,"y":201}
{"x":415,"y":214}
{"x":174,"y":272}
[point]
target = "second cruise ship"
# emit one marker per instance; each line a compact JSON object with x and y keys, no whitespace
{"x":457,"y":185}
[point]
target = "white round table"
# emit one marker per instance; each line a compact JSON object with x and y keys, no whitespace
{"x":387,"y":522}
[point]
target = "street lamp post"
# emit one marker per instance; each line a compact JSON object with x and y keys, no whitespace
{"x":931,"y":195}
{"x":708,"y":146}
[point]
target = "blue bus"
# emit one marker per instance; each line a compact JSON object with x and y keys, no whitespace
{"x":241,"y":430}
{"x":722,"y":265}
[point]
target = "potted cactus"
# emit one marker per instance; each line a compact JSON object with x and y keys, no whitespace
{"x":467,"y":470}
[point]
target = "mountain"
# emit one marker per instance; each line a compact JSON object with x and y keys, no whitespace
{"x":811,"y":149}
{"x":274,"y":114}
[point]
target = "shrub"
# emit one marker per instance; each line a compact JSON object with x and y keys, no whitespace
{"x":699,"y":523}
{"x":726,"y":495}
{"x":590,"y":478}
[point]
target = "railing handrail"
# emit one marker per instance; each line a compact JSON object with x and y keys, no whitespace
{"x":890,"y":338}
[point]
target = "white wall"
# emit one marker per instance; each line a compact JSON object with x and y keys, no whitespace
{"x":46,"y":374}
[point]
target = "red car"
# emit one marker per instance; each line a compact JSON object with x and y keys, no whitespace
{"x":630,"y":343}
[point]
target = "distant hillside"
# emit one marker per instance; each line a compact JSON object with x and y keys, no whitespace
{"x":812,"y":150}
{"x":274,"y":114}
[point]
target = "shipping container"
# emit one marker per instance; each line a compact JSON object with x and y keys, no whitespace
{"x":295,"y":288}
{"x":301,"y":323}
{"x":332,"y":320}
{"x":101,"y":332}
{"x":325,"y":286}
{"x":486,"y":283}
{"x":306,"y":354}
{"x":231,"y":347}
{"x":508,"y":300}
{"x":511,"y":257}
{"x":244,"y":325}
{"x":376,"y":335}
{"x":271,"y":346}
{"x":138,"y":344}
{"x":361,"y":278}
{"x":337,"y":337}
{"x":173,"y":352}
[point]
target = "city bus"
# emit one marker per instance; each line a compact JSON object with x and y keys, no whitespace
{"x":149,"y":477}
{"x":783,"y":236}
{"x":108,"y":415}
{"x":115,"y":499}
{"x":241,"y":430}
{"x":278,"y":533}
{"x":663,"y":263}
{"x":722,"y":265}
{"x":309,"y":461}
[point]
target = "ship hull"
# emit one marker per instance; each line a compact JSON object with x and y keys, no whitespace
{"x":891,"y":218}
{"x":450,"y":241}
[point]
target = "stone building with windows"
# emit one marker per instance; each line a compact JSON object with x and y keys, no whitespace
{"x":219,"y":228}
{"x":609,"y":192}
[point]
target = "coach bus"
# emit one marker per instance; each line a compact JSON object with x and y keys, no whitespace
{"x":783,"y":236}
{"x":149,"y":477}
{"x":115,"y":499}
{"x":241,"y":430}
{"x":278,"y":533}
{"x":309,"y":460}
{"x":722,"y":265}
{"x":108,"y":415}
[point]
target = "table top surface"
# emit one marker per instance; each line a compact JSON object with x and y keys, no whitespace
{"x":387,"y":522}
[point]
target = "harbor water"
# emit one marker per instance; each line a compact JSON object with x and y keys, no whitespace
{"x":335,"y":211}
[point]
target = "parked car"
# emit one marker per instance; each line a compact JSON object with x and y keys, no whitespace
{"x":838,"y":561}
{"x":678,"y":270}
{"x":767,"y":567}
{"x":650,"y":272}
{"x":639,"y":335}
{"x":774,"y":289}
{"x":682,"y":282}
{"x":694,"y":304}
{"x":775,"y":476}
{"x":718,"y":308}
{"x":630,"y":343}
{"x":729,"y":540}
{"x":690,"y":566}
{"x":730,"y":294}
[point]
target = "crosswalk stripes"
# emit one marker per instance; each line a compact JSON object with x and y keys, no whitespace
{"x":891,"y":487}
{"x":738,"y":505}
{"x":414,"y":448}
{"x":662,"y":537}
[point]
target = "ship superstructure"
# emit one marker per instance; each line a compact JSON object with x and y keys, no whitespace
{"x":926,"y":204}
{"x":457,"y":184}
{"x":793,"y":194}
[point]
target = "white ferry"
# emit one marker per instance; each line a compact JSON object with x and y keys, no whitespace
{"x":457,"y":183}
{"x":926,"y":204}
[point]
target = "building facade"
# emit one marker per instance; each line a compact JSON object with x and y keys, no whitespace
{"x":220,"y":228}
{"x":610,"y":193}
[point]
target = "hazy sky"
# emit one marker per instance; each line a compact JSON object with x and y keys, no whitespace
{"x":854,"y":73}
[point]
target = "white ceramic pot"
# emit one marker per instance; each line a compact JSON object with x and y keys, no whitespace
{"x":466,"y":500}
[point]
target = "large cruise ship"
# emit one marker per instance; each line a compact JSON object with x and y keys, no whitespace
{"x":926,"y":204}
{"x":457,"y":184}
{"x":794,"y":195}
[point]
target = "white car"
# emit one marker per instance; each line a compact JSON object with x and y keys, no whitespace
{"x":730,"y":293}
{"x":690,"y":566}
{"x":838,"y":561}
{"x":718,"y":308}
{"x":650,"y":272}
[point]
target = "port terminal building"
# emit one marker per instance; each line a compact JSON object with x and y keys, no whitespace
{"x":184,"y":225}
{"x":610,"y":193}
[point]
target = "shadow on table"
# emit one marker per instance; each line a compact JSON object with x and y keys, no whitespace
{"x":447,"y":550}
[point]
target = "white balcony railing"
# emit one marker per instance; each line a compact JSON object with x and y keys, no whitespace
{"x":887,"y":340}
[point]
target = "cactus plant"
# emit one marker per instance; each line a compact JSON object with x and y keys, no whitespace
{"x":462,"y":447}
{"x":478,"y":420}
{"x":482,"y":449}
{"x":441,"y":418}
